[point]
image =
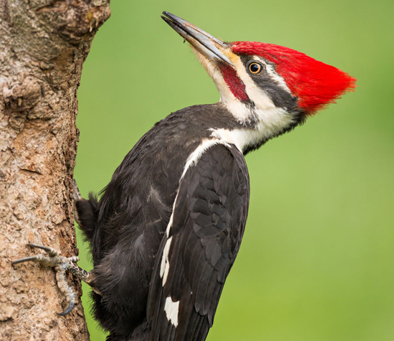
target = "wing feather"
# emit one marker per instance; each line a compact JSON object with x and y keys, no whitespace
{"x":208,"y":221}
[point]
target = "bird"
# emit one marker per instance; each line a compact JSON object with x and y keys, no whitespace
{"x":166,"y":230}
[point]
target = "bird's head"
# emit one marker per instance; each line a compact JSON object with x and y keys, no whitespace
{"x":271,"y":87}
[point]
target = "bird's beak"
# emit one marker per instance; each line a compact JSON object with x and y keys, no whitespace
{"x":212,"y":48}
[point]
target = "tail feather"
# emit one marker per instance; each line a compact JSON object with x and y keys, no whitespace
{"x":87,"y":213}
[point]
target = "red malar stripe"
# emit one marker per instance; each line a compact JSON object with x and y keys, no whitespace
{"x":235,"y":84}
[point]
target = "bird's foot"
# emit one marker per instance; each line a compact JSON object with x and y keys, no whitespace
{"x":62,"y":265}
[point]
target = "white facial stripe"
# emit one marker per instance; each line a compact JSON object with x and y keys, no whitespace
{"x":256,"y":94}
{"x":240,"y":111}
{"x":272,"y":122}
{"x":271,"y":119}
{"x":269,"y":68}
{"x":172,"y":311}
{"x":278,"y":79}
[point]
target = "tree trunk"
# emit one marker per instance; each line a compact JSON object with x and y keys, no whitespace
{"x":43,"y":44}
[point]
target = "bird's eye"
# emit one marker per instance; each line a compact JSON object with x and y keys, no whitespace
{"x":255,"y":68}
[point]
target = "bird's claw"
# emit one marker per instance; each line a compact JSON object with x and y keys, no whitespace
{"x":61,"y":265}
{"x":50,"y":251}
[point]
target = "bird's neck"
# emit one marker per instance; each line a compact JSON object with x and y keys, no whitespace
{"x":254,"y":126}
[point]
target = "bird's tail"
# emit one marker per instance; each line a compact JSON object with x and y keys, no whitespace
{"x":87,"y":213}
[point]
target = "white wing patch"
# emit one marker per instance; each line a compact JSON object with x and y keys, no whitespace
{"x":172,"y":310}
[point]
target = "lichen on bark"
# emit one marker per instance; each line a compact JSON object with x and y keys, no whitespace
{"x":43,"y":46}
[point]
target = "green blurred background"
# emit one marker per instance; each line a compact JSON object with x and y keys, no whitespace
{"x":317,"y":258}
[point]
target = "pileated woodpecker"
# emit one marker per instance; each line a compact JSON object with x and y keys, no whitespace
{"x":167,"y":228}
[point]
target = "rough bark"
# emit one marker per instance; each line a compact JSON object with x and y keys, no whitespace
{"x":43,"y":44}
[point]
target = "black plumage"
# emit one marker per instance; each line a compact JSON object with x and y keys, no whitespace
{"x":206,"y":235}
{"x":128,"y":224}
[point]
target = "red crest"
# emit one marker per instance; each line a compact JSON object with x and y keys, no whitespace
{"x":316,"y":84}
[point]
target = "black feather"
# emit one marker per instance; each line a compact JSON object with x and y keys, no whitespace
{"x":205,"y":236}
{"x":127,"y":228}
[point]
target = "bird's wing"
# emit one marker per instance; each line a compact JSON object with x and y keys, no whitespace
{"x":199,"y":249}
